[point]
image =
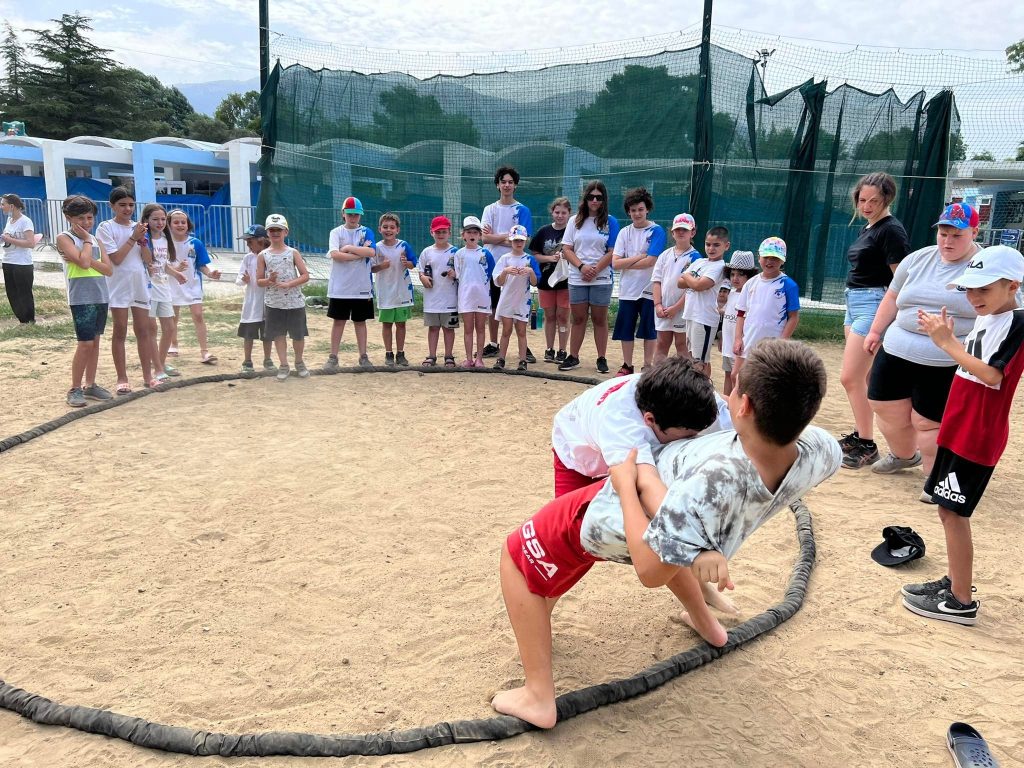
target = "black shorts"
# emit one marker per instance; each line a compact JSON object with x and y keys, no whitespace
{"x":278,"y":322}
{"x":955,"y":483}
{"x":495,"y":295}
{"x":251,"y":330}
{"x":356,"y":310}
{"x":926,"y":386}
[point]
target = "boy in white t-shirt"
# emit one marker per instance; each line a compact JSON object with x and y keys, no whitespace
{"x":741,"y":268}
{"x":250,"y":325}
{"x":514,"y":273}
{"x":669,"y":298}
{"x":635,"y":253}
{"x":701,"y":310}
{"x":473,"y":268}
{"x":440,"y":292}
{"x":496,"y":222}
{"x":720,"y":489}
{"x":769,"y":306}
{"x":393,"y":286}
{"x":350,"y":284}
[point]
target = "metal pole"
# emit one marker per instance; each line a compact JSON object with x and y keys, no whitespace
{"x":264,"y":43}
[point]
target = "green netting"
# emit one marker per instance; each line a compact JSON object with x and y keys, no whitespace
{"x":422,"y":133}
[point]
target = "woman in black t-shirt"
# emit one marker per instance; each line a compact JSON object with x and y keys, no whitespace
{"x":546,"y":247}
{"x":874,"y":256}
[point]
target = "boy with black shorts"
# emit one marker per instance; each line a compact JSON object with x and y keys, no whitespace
{"x":990,"y":366}
{"x":350,"y":286}
{"x":721,"y":488}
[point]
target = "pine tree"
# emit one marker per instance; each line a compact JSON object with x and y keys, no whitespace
{"x":12,"y":52}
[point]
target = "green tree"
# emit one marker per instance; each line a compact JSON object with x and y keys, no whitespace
{"x":1020,"y":152}
{"x":621,"y":121}
{"x":240,"y":111}
{"x":986,"y":155}
{"x":73,"y":87}
{"x":408,"y":117}
{"x":12,"y":53}
{"x":205,"y":128}
{"x":1015,"y":56}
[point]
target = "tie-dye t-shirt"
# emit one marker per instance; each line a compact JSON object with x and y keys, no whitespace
{"x":715,"y":498}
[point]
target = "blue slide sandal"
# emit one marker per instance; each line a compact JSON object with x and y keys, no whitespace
{"x":968,"y":748}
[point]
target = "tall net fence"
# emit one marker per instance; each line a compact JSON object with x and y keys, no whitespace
{"x":785,"y":131}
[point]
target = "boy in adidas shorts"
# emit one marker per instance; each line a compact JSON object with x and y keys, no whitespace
{"x":990,"y":366}
{"x":721,"y":488}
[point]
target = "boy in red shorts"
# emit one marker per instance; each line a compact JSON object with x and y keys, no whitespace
{"x":721,"y":487}
{"x":976,"y":422}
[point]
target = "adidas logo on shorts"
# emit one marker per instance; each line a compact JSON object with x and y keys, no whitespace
{"x":949,"y":489}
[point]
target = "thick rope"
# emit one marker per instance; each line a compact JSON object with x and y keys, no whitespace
{"x":204,"y":743}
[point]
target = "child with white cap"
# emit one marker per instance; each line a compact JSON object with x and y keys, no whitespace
{"x":350,"y":284}
{"x":281,"y":270}
{"x":990,"y":365}
{"x":514,"y":273}
{"x":741,"y":268}
{"x":769,"y":306}
{"x":669,"y":297}
{"x":473,"y":266}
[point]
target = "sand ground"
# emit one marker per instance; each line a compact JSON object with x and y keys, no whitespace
{"x":321,"y":556}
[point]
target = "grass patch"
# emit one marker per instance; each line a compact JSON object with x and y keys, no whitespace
{"x":820,"y":325}
{"x":49,"y":302}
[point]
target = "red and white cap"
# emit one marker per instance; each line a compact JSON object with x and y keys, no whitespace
{"x":684,"y":221}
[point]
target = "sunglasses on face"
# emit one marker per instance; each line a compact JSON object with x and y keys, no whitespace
{"x":598,"y":198}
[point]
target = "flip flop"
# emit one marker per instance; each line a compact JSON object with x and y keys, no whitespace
{"x":123,"y":388}
{"x":968,"y":748}
{"x":208,"y":359}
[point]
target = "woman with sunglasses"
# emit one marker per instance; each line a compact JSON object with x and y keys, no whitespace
{"x":587,"y":247}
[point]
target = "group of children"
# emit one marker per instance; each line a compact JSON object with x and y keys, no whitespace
{"x":645,"y":473}
{"x":146,"y":270}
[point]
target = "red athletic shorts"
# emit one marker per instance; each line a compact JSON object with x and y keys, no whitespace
{"x":546,"y":548}
{"x":568,"y":480}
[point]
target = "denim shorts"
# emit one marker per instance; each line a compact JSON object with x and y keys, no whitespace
{"x":861,"y":306}
{"x":600,"y":294}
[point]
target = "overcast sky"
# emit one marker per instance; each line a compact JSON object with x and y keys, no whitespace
{"x":183,"y":41}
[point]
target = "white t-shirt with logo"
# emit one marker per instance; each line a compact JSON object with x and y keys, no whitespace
{"x":112,"y":236}
{"x":599,"y":428}
{"x":631,"y":241}
{"x":444,"y":295}
{"x":702,"y":306}
{"x":159,"y":280}
{"x":394,"y":284}
{"x":473,"y":267}
{"x":516,"y":300}
{"x":715,"y":499}
{"x":589,"y":244}
{"x":667,"y":271}
{"x":501,"y":219}
{"x":350,"y":279}
{"x":729,"y":322}
{"x":13,"y":254}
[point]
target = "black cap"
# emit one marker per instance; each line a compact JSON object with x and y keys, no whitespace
{"x":900,"y":545}
{"x":254,"y":230}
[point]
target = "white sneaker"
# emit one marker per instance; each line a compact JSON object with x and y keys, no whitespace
{"x":892,"y":464}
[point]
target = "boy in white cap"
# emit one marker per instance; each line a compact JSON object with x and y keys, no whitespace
{"x":282,"y":271}
{"x":473,"y":266}
{"x":350,"y":285}
{"x":514,"y":273}
{"x":769,"y":306}
{"x":741,"y":268}
{"x":669,"y":297}
{"x":990,"y":365}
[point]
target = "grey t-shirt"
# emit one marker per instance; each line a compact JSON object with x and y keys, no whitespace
{"x":920,"y":283}
{"x":715,"y":497}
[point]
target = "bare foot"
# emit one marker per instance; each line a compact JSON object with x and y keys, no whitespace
{"x":713,"y":632}
{"x":718,"y":600}
{"x":522,"y":703}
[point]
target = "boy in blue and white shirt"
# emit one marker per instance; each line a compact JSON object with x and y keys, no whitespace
{"x":350,"y":285}
{"x":393,"y":286}
{"x":769,"y":306}
{"x":636,"y":251}
{"x":514,"y":274}
{"x":497,"y":221}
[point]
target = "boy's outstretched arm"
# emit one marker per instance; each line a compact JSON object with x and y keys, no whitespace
{"x":649,"y":567}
